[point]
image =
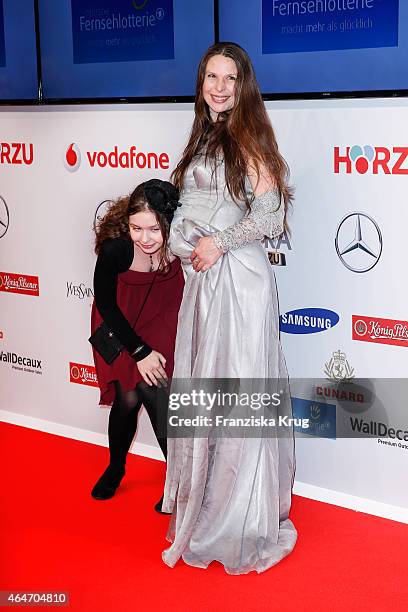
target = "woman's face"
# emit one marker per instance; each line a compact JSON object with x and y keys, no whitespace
{"x":145,"y":231}
{"x":219,"y":84}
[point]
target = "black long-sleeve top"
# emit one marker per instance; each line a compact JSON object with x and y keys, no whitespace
{"x":116,"y":256}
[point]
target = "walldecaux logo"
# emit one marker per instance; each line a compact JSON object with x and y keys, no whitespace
{"x":115,"y":158}
{"x":370,"y":160}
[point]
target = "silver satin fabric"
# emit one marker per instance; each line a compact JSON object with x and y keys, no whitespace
{"x":230,"y":497}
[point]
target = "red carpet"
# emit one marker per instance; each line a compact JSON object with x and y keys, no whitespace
{"x":107,"y":555}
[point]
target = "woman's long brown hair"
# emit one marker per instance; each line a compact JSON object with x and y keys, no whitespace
{"x":243,"y":134}
{"x":115,"y":223}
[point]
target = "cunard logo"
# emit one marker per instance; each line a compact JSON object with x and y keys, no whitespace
{"x":83,"y":374}
{"x":338,"y":368}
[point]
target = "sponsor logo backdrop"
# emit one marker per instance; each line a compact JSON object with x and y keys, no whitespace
{"x":59,"y":165}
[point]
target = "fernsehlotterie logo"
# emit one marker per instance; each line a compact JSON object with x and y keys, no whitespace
{"x":138,"y":5}
{"x":19,"y":283}
{"x":380,"y":331}
{"x":22,"y":363}
{"x":122,"y":30}
{"x":366,"y":159}
{"x":83,"y":374}
{"x":72,"y":158}
{"x":116,"y":158}
{"x":308,"y":320}
{"x":16,"y":153}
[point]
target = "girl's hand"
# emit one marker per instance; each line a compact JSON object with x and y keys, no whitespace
{"x":205,"y":255}
{"x":152,"y":369}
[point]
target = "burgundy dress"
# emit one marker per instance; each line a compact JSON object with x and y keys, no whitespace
{"x":157,"y":324}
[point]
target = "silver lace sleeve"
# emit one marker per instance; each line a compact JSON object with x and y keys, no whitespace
{"x":265,"y":218}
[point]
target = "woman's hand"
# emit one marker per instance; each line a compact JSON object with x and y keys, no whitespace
{"x":152,"y":369}
{"x":205,"y":255}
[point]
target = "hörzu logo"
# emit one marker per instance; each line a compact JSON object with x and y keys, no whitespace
{"x":4,"y":217}
{"x":308,"y":320}
{"x":338,"y":368}
{"x":16,"y":153}
{"x":83,"y":374}
{"x":72,"y":158}
{"x":79,"y":291}
{"x":115,"y":158}
{"x":19,"y":283}
{"x":358,"y":242}
{"x":380,"y":331}
{"x":373,"y":160}
{"x":24,"y":364}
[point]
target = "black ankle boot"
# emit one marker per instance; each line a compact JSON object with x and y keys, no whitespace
{"x":121,"y":430}
{"x":107,"y":484}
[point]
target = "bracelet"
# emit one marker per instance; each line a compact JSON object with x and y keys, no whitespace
{"x":142,"y":351}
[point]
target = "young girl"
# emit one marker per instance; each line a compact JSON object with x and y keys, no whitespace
{"x":138,"y":287}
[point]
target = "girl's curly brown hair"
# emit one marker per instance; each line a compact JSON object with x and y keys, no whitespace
{"x":115,"y":223}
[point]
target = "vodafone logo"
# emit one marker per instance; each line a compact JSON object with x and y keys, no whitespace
{"x":367,"y":159}
{"x":83,"y":374}
{"x":72,"y":158}
{"x":116,"y":158}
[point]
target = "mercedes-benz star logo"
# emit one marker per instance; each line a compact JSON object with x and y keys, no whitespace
{"x":358,"y":242}
{"x":4,"y":217}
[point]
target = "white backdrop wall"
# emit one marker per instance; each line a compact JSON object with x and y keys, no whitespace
{"x":47,"y":210}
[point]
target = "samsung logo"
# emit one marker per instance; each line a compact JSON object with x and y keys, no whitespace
{"x":308,"y":320}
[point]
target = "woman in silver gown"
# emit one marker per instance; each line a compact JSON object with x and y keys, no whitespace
{"x":230,"y":497}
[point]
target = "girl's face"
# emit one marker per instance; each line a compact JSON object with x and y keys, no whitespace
{"x":219,"y":84}
{"x":145,"y":231}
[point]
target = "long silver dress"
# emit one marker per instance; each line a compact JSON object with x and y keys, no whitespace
{"x":230,"y":497}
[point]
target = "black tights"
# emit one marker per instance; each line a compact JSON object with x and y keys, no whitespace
{"x":124,"y":416}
